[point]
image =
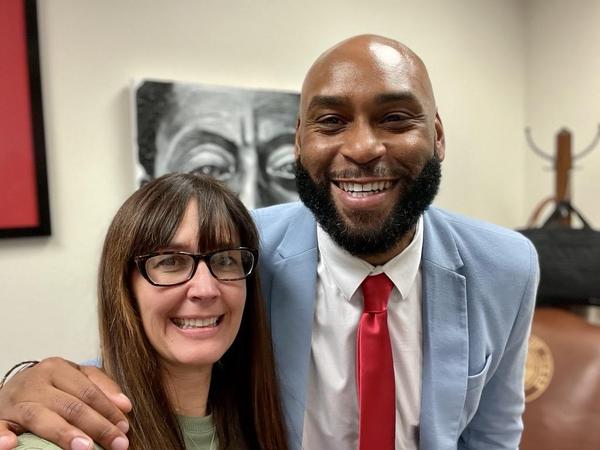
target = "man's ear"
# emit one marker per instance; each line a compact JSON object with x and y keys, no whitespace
{"x":297,"y":140}
{"x":440,"y":137}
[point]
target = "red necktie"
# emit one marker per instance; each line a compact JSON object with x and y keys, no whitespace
{"x":375,"y":368}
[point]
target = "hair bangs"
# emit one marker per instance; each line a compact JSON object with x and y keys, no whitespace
{"x":161,"y":215}
{"x":219,"y":229}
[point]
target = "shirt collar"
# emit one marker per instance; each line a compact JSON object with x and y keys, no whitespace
{"x":348,"y":272}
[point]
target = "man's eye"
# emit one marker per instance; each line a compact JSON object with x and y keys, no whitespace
{"x":330,"y":120}
{"x":330,"y":124}
{"x":398,"y":122}
{"x":396,"y":117}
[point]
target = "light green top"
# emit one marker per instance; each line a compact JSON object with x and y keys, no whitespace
{"x":197,"y":432}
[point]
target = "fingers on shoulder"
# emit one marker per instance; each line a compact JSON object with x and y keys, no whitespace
{"x":8,"y":439}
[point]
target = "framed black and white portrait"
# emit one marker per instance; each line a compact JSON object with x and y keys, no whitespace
{"x":242,"y":137}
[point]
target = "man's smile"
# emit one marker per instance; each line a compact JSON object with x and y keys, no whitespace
{"x":364,"y":188}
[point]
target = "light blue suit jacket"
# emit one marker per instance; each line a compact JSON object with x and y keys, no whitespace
{"x":479,"y":285}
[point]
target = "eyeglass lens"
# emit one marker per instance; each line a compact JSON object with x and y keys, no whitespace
{"x":174,"y":268}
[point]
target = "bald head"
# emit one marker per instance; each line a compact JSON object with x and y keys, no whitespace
{"x":373,"y":59}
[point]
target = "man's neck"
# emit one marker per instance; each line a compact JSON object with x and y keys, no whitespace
{"x":380,"y":259}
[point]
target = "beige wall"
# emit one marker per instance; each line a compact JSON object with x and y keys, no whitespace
{"x":563,"y":90}
{"x":476,"y":51}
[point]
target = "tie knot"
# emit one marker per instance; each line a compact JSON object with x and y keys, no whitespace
{"x":376,"y":292}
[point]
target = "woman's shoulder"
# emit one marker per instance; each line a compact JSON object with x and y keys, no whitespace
{"x":28,"y":441}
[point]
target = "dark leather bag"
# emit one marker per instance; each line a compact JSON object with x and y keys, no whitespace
{"x":569,"y":261}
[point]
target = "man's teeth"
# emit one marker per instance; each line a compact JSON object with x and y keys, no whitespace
{"x":364,"y":189}
{"x":186,"y":324}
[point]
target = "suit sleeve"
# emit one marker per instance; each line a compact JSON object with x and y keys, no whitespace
{"x":498,"y":424}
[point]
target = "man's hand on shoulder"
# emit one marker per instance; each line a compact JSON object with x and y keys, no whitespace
{"x":70,"y":405}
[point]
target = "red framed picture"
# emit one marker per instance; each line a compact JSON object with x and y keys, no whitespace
{"x":24,"y":206}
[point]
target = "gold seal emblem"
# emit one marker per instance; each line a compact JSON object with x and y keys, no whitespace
{"x":539,"y":368}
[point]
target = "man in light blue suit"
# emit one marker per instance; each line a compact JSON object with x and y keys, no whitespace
{"x":369,"y":147}
{"x":369,"y":144}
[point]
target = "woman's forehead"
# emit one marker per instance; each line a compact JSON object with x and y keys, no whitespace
{"x":205,"y":230}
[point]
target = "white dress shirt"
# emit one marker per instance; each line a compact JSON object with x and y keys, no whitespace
{"x":331,"y":416}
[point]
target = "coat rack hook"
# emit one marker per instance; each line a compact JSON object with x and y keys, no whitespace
{"x":534,"y":147}
{"x":590,"y":147}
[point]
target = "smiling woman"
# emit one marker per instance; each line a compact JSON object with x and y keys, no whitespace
{"x":182,"y":326}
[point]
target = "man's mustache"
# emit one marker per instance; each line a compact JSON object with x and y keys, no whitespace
{"x":378,"y":170}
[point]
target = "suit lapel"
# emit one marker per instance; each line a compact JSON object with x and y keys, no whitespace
{"x":445,"y":336}
{"x":292,"y":310}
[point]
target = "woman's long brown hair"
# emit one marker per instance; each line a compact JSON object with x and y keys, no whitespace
{"x":243,"y":397}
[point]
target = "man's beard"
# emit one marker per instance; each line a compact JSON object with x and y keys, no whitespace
{"x":416,"y":198}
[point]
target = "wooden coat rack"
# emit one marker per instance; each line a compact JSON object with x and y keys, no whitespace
{"x":562,"y":163}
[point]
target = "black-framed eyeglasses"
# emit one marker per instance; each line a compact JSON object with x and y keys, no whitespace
{"x":170,"y":268}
